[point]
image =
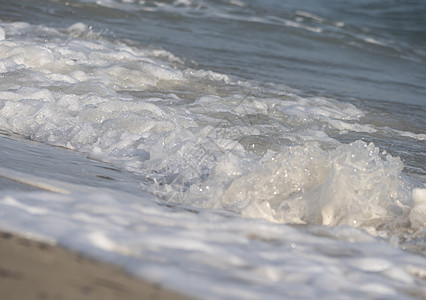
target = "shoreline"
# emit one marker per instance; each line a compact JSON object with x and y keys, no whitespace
{"x":34,"y":269}
{"x":31,"y":269}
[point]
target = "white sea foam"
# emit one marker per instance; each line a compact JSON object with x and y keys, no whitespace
{"x":417,"y":136}
{"x":2,"y":34}
{"x":346,"y":186}
{"x":239,"y":153}
{"x":310,"y":16}
{"x":264,"y":155}
{"x":238,"y":258}
{"x":418,"y":212}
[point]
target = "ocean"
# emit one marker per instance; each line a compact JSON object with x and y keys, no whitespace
{"x":227,"y":149}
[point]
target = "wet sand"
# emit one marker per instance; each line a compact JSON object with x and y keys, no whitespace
{"x":31,"y":269}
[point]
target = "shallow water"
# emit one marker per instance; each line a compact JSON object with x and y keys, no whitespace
{"x":247,"y":135}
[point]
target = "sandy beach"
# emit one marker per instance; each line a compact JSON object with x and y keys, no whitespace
{"x":31,"y":269}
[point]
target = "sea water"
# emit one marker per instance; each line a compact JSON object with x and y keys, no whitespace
{"x":226,"y":149}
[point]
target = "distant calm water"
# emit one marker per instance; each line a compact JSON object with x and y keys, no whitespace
{"x":286,"y":138}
